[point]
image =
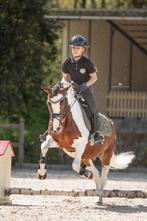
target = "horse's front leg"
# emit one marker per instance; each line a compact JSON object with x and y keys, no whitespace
{"x":80,"y":145}
{"x":42,"y":168}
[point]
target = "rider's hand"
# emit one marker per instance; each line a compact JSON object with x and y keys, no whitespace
{"x":83,"y":87}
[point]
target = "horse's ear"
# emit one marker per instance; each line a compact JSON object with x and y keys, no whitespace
{"x":64,"y":90}
{"x":46,"y":89}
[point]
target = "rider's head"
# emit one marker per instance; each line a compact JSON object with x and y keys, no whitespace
{"x":78,"y":46}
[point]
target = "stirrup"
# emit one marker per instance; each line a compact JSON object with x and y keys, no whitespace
{"x":98,"y":138}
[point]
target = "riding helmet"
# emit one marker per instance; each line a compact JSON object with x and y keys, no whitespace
{"x":78,"y":40}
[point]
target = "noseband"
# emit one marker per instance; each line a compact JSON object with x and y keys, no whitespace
{"x":58,"y":115}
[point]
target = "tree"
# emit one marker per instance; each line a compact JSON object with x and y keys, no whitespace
{"x":83,"y":3}
{"x":28,"y":58}
{"x":100,"y":4}
{"x":28,"y":54}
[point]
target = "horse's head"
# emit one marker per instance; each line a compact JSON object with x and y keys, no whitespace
{"x":57,"y":105}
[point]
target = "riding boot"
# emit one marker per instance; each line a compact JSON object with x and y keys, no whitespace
{"x":98,"y":137}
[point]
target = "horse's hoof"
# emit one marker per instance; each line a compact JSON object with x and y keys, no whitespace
{"x":88,"y":174}
{"x":100,"y":203}
{"x":41,"y":177}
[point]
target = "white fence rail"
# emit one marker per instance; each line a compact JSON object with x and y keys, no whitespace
{"x":127,"y":104}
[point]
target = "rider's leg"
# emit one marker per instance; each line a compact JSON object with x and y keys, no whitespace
{"x":98,"y":137}
{"x":94,"y":119}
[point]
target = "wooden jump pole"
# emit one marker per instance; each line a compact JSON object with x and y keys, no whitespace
{"x":77,"y":193}
{"x":6,"y":154}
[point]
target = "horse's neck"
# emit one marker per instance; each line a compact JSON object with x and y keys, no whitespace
{"x":72,"y":101}
{"x":76,"y":111}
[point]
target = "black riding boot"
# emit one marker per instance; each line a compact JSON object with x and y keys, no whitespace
{"x":97,"y":135}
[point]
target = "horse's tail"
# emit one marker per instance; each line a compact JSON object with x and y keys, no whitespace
{"x":122,"y":160}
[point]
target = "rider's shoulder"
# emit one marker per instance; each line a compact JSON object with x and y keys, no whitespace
{"x":87,"y":59}
{"x":67,"y":60}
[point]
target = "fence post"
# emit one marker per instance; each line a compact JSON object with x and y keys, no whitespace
{"x":21,"y":142}
{"x":6,"y":154}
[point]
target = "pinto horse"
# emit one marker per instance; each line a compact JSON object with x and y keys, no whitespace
{"x":67,"y":130}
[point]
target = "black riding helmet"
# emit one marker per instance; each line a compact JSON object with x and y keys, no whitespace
{"x":78,"y":40}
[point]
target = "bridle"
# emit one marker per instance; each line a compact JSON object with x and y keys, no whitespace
{"x":58,"y":116}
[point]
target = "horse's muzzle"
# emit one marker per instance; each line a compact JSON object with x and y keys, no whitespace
{"x":57,"y":130}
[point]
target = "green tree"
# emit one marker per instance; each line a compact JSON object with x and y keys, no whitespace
{"x":29,"y":57}
{"x":28,"y":54}
{"x":101,"y":4}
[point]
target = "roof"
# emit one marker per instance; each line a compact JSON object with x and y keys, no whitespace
{"x":96,"y":14}
{"x":4,"y":144}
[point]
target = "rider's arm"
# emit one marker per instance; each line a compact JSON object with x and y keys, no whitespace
{"x":92,"y":69}
{"x":66,"y":77}
{"x":65,"y":72}
{"x":92,"y":80}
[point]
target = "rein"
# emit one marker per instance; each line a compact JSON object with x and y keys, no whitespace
{"x":58,"y":115}
{"x":76,"y":97}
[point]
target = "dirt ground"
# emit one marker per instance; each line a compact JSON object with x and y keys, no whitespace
{"x":63,"y":208}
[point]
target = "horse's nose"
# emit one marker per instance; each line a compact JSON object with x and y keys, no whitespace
{"x":56,"y":130}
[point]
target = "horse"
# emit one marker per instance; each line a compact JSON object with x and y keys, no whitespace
{"x":67,"y":131}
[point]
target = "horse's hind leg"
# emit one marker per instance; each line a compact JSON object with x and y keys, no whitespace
{"x":97,"y":180}
{"x":106,"y":163}
{"x":105,"y":171}
{"x":103,"y":179}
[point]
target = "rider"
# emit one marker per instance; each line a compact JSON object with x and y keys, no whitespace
{"x":81,"y":70}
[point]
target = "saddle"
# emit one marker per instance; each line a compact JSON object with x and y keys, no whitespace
{"x":105,"y":126}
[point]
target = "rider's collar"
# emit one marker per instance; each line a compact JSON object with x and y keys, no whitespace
{"x":73,"y":60}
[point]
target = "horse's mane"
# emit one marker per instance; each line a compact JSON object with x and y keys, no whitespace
{"x":65,"y":83}
{"x":75,"y":107}
{"x":70,"y":92}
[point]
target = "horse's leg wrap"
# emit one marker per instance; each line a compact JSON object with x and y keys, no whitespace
{"x":82,"y":169}
{"x":42,"y":169}
{"x":86,"y":173}
{"x":42,"y":160}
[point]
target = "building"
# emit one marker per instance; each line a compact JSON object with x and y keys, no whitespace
{"x":118,"y":46}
